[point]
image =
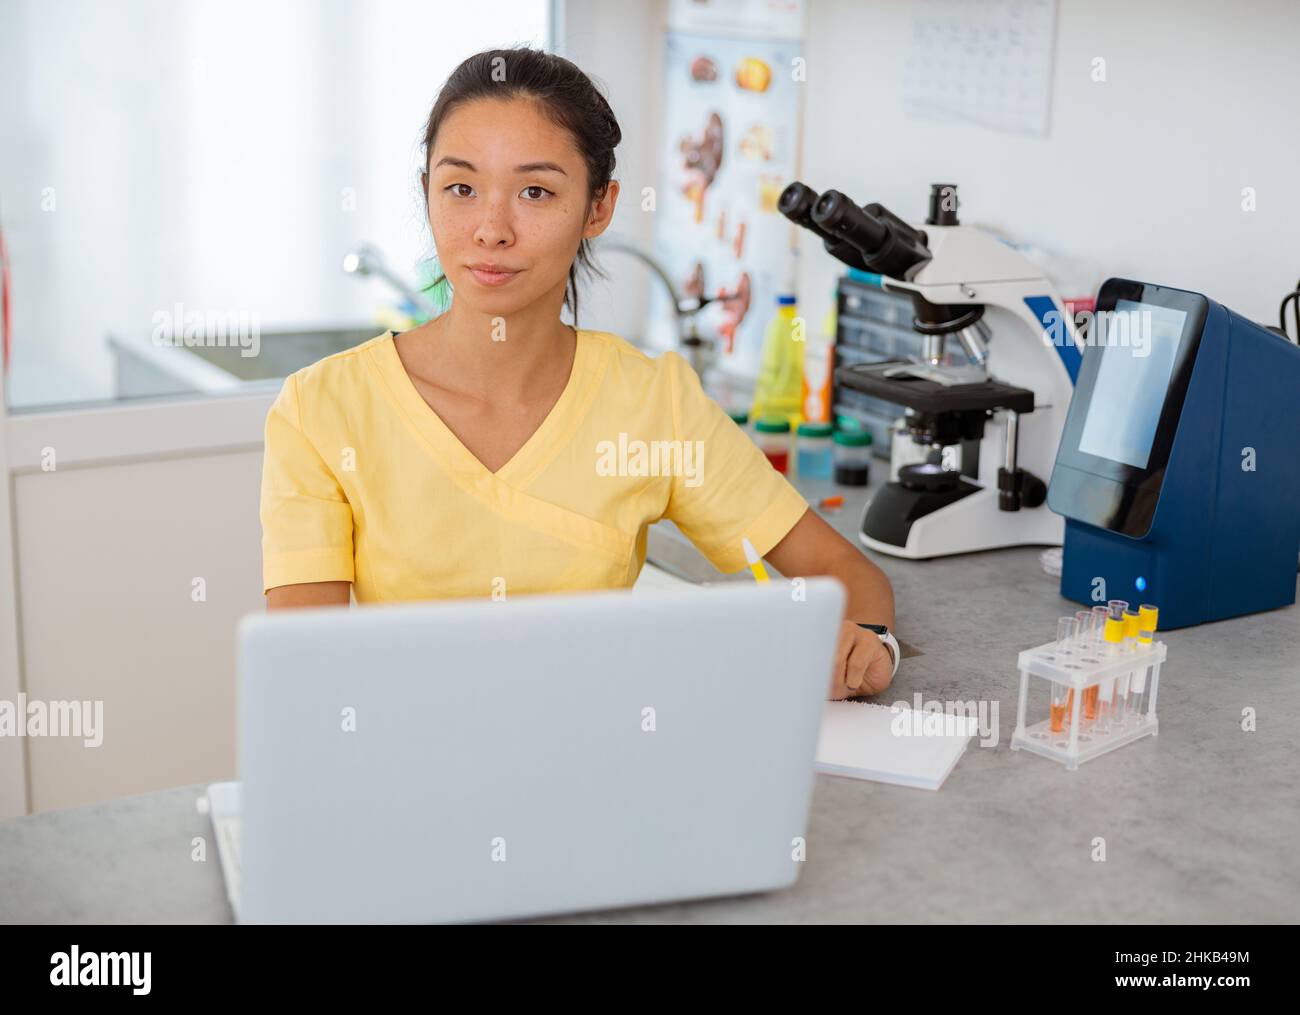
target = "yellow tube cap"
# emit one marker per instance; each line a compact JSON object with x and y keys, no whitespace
{"x":1148,"y":615}
{"x":1114,"y":630}
{"x":1132,"y":624}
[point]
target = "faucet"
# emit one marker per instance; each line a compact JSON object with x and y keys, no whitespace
{"x":700,"y":352}
{"x":366,"y":260}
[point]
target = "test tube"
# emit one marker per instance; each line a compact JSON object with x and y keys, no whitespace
{"x":1083,"y":625}
{"x":1106,"y":696}
{"x":1093,"y":647}
{"x":1105,"y":692}
{"x":1119,"y":711}
{"x":1113,"y":637}
{"x":1148,"y":617}
{"x":1137,"y":691}
{"x":1066,"y":629}
{"x":1062,"y":696}
{"x":1099,"y":615}
{"x":1117,"y":608}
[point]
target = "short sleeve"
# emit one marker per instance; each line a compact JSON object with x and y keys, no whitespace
{"x":733,"y":492}
{"x":306,"y":517}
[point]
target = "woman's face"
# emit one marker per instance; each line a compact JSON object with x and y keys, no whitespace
{"x":508,"y":189}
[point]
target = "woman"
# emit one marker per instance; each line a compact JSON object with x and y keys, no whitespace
{"x":494,"y":450}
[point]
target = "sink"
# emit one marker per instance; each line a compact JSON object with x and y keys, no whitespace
{"x":283,"y":352}
{"x":142,"y":368}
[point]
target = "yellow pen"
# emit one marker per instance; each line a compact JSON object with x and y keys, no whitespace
{"x":755,"y":561}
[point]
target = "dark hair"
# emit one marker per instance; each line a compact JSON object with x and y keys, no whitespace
{"x":564,"y":93}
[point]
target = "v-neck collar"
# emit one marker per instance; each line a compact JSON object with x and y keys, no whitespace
{"x":535,"y":453}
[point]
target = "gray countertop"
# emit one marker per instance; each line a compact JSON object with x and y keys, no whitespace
{"x":1197,"y":824}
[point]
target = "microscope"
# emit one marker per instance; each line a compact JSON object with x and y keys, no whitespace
{"x":1000,"y":360}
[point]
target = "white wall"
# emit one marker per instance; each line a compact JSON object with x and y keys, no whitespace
{"x":620,"y":45}
{"x":1141,"y":175}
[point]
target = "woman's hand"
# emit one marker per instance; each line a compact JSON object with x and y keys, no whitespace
{"x":863,"y":664}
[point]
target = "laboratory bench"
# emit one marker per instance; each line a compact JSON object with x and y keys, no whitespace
{"x":1196,"y":824}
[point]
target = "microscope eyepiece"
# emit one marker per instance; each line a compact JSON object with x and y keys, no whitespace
{"x":796,"y":199}
{"x":869,"y":238}
{"x":839,"y":216}
{"x":796,"y":203}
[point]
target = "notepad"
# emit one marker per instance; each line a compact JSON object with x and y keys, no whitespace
{"x":882,"y":743}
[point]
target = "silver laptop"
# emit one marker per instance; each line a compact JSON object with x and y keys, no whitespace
{"x":478,"y":760}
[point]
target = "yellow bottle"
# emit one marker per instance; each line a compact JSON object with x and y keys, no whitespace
{"x":780,"y":378}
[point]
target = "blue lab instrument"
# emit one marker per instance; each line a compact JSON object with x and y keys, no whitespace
{"x":1178,"y":471}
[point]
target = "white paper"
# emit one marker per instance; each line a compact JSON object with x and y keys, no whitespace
{"x":863,"y":740}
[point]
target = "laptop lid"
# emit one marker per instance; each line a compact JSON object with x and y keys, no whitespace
{"x":473,"y":760}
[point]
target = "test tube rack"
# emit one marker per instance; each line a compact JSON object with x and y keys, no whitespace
{"x":1079,"y":666}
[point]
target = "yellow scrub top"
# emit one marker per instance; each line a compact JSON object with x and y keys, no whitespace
{"x":363,"y":482}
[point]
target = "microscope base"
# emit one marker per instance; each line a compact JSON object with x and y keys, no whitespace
{"x":973,"y":522}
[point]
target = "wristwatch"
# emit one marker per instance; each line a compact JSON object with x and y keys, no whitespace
{"x":891,"y":643}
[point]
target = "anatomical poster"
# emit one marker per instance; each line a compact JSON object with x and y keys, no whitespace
{"x":728,"y":148}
